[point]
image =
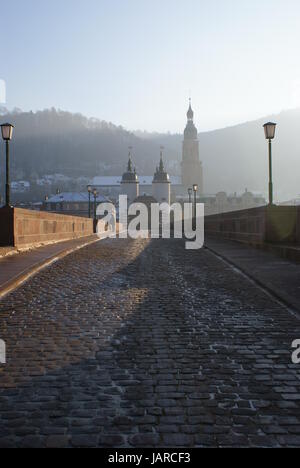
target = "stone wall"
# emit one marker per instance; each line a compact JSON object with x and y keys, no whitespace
{"x":24,"y":228}
{"x":278,"y":224}
{"x":6,"y":227}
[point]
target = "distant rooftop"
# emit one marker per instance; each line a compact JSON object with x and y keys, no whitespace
{"x":115,"y":181}
{"x":293,"y":202}
{"x":74,"y":197}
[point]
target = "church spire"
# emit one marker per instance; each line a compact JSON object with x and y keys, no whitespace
{"x":130,"y":168}
{"x":190,"y":132}
{"x":190,"y":113}
{"x":161,"y":165}
{"x":130,"y":175}
{"x":161,"y":175}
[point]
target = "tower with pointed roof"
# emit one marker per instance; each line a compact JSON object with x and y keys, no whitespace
{"x":192,"y":171}
{"x":161,"y":185}
{"x":130,"y":181}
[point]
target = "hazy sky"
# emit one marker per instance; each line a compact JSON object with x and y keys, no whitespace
{"x":133,"y":62}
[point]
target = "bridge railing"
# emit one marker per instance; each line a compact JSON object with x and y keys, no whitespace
{"x":276,"y":224}
{"x":24,"y":228}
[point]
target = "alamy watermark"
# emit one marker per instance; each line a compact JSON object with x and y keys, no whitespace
{"x":155,"y":221}
{"x":2,"y":92}
{"x":296,"y":353}
{"x":2,"y":352}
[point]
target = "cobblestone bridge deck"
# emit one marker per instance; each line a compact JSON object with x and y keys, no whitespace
{"x":142,"y":343}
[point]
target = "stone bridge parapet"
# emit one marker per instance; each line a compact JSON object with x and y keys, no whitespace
{"x":24,"y":228}
{"x":275,"y":224}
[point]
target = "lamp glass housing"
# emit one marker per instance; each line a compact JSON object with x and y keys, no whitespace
{"x":270,"y":129}
{"x":195,"y":188}
{"x":7,"y":131}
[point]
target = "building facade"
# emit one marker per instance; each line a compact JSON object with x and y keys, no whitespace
{"x":72,"y":203}
{"x":161,"y":185}
{"x":223,"y":203}
{"x":130,"y":182}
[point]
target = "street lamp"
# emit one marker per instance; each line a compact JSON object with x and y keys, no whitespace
{"x":7,"y":132}
{"x":95,"y":193}
{"x":195,"y":190}
{"x":90,"y":193}
{"x":270,"y":129}
{"x":46,"y":205}
{"x":190,"y":192}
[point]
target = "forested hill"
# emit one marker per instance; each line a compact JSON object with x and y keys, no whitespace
{"x":53,"y":141}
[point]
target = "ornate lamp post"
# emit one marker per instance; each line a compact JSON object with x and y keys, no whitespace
{"x":95,"y":193}
{"x":190,"y":192}
{"x":90,"y":193}
{"x":270,"y":129}
{"x":46,"y":202}
{"x":7,"y":132}
{"x":195,"y":189}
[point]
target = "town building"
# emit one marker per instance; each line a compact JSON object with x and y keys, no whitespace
{"x":72,"y":203}
{"x":20,"y":186}
{"x":222,"y":203}
{"x":161,"y":185}
{"x":192,"y":172}
{"x":130,"y":182}
{"x":293,"y":202}
{"x":110,"y":186}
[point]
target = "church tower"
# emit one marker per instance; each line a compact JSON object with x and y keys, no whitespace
{"x":192,"y":171}
{"x":130,"y":182}
{"x":161,"y":185}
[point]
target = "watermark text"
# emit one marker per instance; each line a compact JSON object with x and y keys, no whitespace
{"x":296,"y":353}
{"x":2,"y":352}
{"x":160,"y":220}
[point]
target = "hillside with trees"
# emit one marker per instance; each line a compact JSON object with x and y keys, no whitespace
{"x":54,"y":141}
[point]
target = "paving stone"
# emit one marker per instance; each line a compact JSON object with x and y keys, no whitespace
{"x":32,"y":442}
{"x":144,"y":344}
{"x":144,"y":440}
{"x":232,"y":440}
{"x":84,"y":441}
{"x":260,"y":441}
{"x":178,"y":440}
{"x":111,"y":441}
{"x":289,"y":441}
{"x":57,"y":441}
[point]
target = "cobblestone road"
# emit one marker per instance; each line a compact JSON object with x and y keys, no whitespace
{"x":138,"y":343}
